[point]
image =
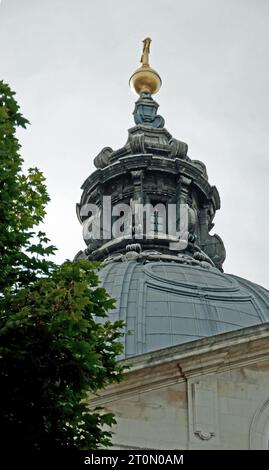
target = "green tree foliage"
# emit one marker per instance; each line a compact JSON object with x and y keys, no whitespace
{"x":23,"y":198}
{"x":53,"y":352}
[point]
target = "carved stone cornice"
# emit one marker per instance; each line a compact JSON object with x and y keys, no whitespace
{"x":184,"y":168}
{"x":186,"y":361}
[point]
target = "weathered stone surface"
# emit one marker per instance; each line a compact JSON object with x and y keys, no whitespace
{"x":165,"y":180}
{"x":103,"y":158}
{"x":207,"y":394}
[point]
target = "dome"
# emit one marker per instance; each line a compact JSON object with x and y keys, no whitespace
{"x":167,"y":303}
{"x":147,"y":213}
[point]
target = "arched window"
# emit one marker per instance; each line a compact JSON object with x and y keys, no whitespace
{"x":259,"y":429}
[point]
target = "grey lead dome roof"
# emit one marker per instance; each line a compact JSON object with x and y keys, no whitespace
{"x":165,"y":303}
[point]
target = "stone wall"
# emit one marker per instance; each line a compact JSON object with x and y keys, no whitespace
{"x":207,"y":394}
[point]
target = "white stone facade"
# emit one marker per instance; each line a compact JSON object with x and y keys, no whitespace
{"x":208,"y":394}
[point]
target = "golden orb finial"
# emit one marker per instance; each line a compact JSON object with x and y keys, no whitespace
{"x":145,"y":79}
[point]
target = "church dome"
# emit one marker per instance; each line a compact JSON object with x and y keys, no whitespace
{"x":168,"y":303}
{"x":147,"y":213}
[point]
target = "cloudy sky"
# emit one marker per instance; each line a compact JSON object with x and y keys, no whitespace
{"x":69,"y":62}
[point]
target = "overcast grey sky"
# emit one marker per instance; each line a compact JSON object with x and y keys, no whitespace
{"x":70,"y":61}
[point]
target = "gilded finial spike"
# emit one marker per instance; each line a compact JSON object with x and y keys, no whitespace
{"x":145,"y":79}
{"x":145,"y":53}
